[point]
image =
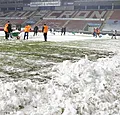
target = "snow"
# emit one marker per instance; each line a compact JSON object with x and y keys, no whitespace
{"x":83,"y":87}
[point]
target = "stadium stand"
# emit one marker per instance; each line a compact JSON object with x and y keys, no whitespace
{"x":56,"y":24}
{"x":7,"y":14}
{"x":79,"y":25}
{"x":111,"y":25}
{"x":40,"y":14}
{"x":112,"y":22}
{"x":77,"y":14}
{"x":2,"y":22}
{"x":74,"y":20}
{"x":115,"y":15}
{"x":74,"y":14}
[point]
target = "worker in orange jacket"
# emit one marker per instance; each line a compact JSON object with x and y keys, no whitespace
{"x":27,"y":30}
{"x":6,"y":30}
{"x":45,"y":30}
{"x":98,"y":32}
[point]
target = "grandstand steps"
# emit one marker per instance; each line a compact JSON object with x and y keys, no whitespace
{"x":108,"y":15}
{"x":2,"y":23}
{"x":30,"y":17}
{"x":39,"y":15}
{"x":47,"y":14}
{"x":66,"y":23}
{"x":32,"y":14}
{"x":38,"y":22}
{"x":75,"y":13}
{"x":70,"y":19}
{"x":35,"y":18}
{"x":40,"y":18}
{"x":115,"y":15}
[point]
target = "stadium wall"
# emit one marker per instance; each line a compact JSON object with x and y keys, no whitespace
{"x":64,"y":5}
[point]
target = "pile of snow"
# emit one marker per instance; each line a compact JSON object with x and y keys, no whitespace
{"x":76,"y":88}
{"x":90,"y":87}
{"x":83,"y":87}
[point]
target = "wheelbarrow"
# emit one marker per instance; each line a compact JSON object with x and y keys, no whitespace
{"x":16,"y":34}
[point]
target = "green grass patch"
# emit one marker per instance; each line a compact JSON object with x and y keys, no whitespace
{"x":23,"y":59}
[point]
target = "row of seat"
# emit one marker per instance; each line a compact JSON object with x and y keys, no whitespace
{"x":59,"y":14}
{"x":73,"y":20}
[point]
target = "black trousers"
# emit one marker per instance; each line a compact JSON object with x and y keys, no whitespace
{"x":25,"y":34}
{"x":35,"y":33}
{"x":45,"y":36}
{"x":6,"y":35}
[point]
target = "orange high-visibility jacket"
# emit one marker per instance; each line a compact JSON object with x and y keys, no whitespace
{"x":27,"y":28}
{"x":98,"y":31}
{"x":45,"y":29}
{"x":6,"y":27}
